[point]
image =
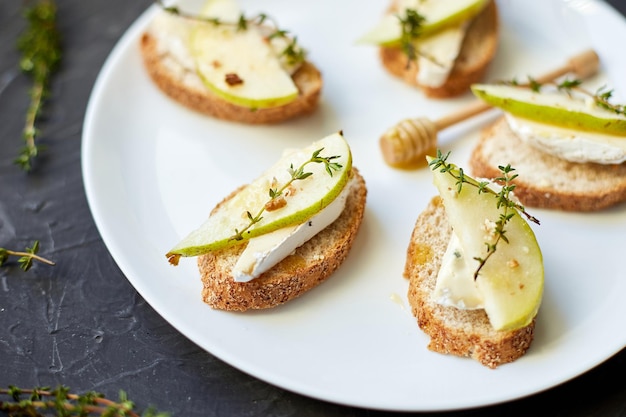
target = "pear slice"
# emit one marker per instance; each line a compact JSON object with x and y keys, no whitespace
{"x":226,"y":10}
{"x":239,"y":66}
{"x":303,"y":198}
{"x":438,"y":15}
{"x":553,"y":108}
{"x":511,"y":280}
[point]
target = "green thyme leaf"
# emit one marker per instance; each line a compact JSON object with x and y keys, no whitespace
{"x":40,"y":46}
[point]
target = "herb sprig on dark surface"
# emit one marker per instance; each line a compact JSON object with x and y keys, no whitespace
{"x":503,"y":199}
{"x":40,"y":46}
{"x":39,"y":402}
{"x":26,"y":257}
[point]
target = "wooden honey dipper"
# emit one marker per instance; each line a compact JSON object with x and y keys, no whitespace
{"x":407,"y":142}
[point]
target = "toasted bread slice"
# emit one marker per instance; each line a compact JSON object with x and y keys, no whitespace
{"x":546,"y":181}
{"x":478,"y":49}
{"x":182,"y":84}
{"x":466,"y":333}
{"x":310,"y":264}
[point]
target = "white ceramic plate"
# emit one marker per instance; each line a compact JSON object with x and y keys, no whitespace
{"x":153,"y":170}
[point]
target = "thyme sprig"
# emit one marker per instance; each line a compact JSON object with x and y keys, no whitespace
{"x":39,"y":402}
{"x":503,"y":198}
{"x":26,"y":257}
{"x":293,"y":53}
{"x":411,"y":26}
{"x":40,"y":46}
{"x":601,"y":97}
{"x":296,"y":174}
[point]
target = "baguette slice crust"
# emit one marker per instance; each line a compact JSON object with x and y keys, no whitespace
{"x":477,"y":51}
{"x":465,"y":333}
{"x":185,"y":87}
{"x":546,"y":181}
{"x":310,"y":264}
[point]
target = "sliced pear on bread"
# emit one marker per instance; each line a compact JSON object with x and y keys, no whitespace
{"x":511,"y":279}
{"x":241,"y":67}
{"x":239,"y":64}
{"x":252,"y":211}
{"x":292,"y":89}
{"x":438,"y":15}
{"x":557,"y":108}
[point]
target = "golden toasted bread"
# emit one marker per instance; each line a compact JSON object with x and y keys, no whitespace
{"x":546,"y":181}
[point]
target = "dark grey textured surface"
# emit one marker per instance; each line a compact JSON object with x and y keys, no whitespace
{"x":82,"y":324}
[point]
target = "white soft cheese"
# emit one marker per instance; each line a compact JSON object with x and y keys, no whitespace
{"x":265,"y":251}
{"x":437,"y":53}
{"x":569,"y":144}
{"x":172,"y":33}
{"x":455,"y":285}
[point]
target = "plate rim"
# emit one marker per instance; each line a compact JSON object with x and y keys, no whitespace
{"x":112,"y":60}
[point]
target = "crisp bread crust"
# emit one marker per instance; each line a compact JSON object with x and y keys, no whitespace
{"x":310,"y":264}
{"x":478,"y":50}
{"x":465,"y":333}
{"x":545,"y":181}
{"x":173,"y":80}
